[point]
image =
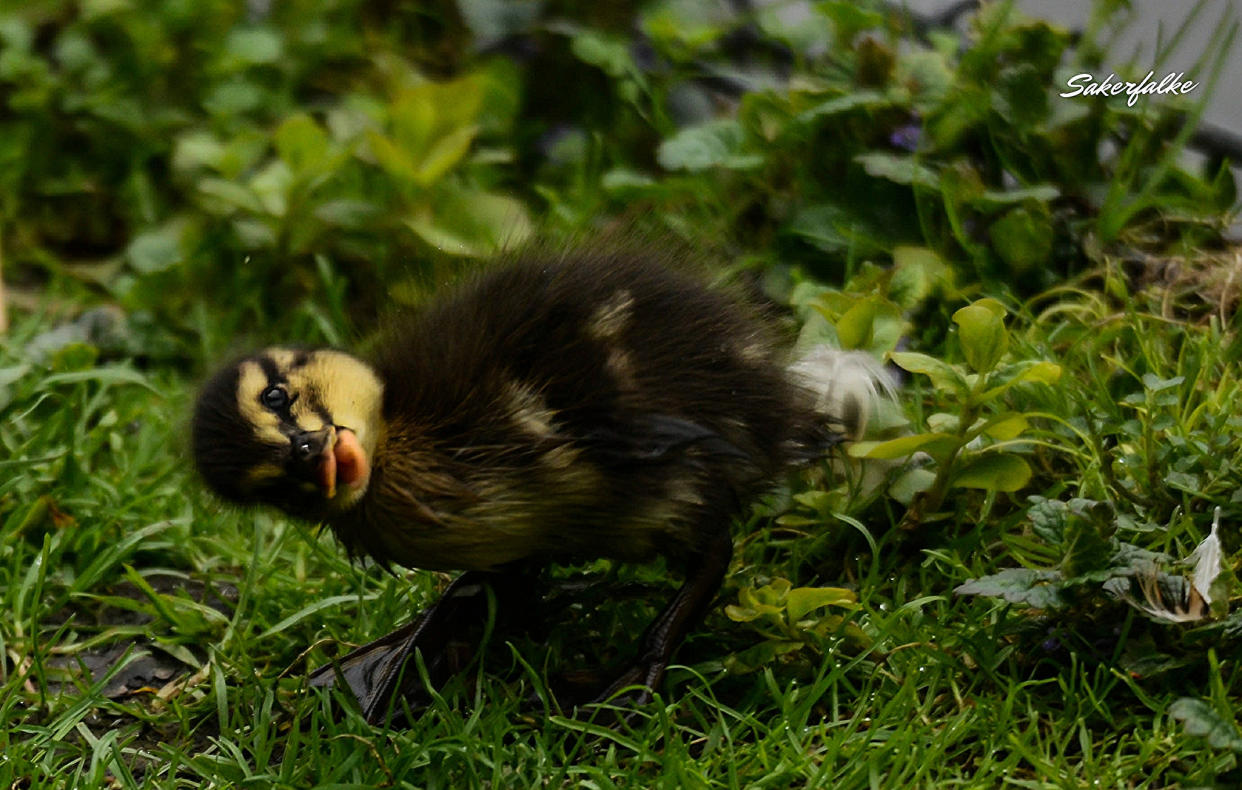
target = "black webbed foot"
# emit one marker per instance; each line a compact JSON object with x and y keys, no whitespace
{"x":634,"y":686}
{"x":383,"y":675}
{"x":385,"y":679}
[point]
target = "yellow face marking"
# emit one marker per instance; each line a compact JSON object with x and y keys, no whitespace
{"x":347,"y":388}
{"x":610,"y":318}
{"x":251,"y":382}
{"x":262,"y":472}
{"x":283,"y":357}
{"x":341,"y":385}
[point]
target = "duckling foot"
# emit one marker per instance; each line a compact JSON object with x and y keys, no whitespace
{"x":383,"y":674}
{"x":634,"y":686}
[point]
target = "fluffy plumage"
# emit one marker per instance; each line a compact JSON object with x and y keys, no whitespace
{"x":555,"y":407}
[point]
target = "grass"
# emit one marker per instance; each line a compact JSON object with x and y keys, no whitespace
{"x":116,"y":567}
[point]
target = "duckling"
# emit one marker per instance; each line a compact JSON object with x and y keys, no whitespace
{"x":556,"y":408}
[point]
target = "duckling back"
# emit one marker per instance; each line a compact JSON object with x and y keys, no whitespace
{"x":574,"y":406}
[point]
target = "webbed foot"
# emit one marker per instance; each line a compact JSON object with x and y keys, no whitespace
{"x":383,"y":675}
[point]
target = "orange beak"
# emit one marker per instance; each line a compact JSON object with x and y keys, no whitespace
{"x":343,"y":462}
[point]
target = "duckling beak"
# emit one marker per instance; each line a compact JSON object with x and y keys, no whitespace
{"x":342,"y":461}
{"x":325,"y":473}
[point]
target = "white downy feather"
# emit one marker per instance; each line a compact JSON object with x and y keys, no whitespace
{"x":848,"y":386}
{"x":1207,"y":560}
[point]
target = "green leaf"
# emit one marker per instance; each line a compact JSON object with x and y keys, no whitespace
{"x":444,"y":154}
{"x":993,"y":472}
{"x":1021,"y":95}
{"x":1154,"y":383}
{"x":944,"y":422}
{"x":1023,"y":238}
{"x":834,"y":228}
{"x":73,"y":356}
{"x":712,"y":144}
{"x":849,"y":19}
{"x":611,"y":54}
{"x":803,"y":600}
{"x":1201,"y":719}
{"x":917,"y":271}
{"x":982,"y":333}
{"x":621,"y":180}
{"x":231,"y":194}
{"x":1086,"y":549}
{"x":1042,"y":372}
{"x":1048,"y":518}
{"x":314,"y":608}
{"x":432,"y":127}
{"x":1004,"y":427}
{"x":412,"y":117}
{"x":1035,"y":371}
{"x":271,"y":185}
{"x":937,"y":445}
{"x":845,"y":103}
{"x":760,"y":656}
{"x":944,"y":376}
{"x":8,"y":377}
{"x":1041,"y":193}
{"x":741,"y":614}
{"x":346,"y":213}
{"x":821,"y":501}
{"x":911,"y":483}
{"x":468,"y":223}
{"x":1018,"y":585}
{"x":235,"y":97}
{"x":394,"y":159}
{"x":301,"y":143}
{"x":872,"y":324}
{"x":107,"y":376}
{"x":197,"y":148}
{"x":801,"y":31}
{"x":253,"y":46}
{"x":771,"y":594}
{"x":899,"y":169}
{"x":156,"y":250}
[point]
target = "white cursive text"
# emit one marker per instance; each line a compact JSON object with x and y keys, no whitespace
{"x":1085,"y":84}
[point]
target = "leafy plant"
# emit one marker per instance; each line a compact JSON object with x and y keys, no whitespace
{"x":1079,"y":536}
{"x":976,"y":445}
{"x":789,"y":620}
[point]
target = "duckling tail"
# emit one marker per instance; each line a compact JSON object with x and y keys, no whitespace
{"x":847,"y":386}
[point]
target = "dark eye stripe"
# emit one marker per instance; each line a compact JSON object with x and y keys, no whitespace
{"x":271,"y":371}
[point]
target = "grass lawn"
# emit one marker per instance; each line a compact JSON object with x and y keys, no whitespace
{"x":155,"y":638}
{"x":1016,"y":581}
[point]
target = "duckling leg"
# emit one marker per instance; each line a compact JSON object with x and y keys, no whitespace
{"x":704,"y":575}
{"x":383,"y":672}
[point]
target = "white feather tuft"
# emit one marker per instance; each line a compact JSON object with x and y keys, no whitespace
{"x":847,"y":386}
{"x":1207,"y":560}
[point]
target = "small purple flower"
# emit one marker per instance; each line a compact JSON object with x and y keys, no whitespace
{"x":906,"y":137}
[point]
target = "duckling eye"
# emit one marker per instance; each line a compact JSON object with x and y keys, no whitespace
{"x":274,"y":398}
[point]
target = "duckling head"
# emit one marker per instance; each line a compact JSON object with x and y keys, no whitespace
{"x":292,"y":428}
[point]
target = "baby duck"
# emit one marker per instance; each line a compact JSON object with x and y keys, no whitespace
{"x":555,"y":408}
